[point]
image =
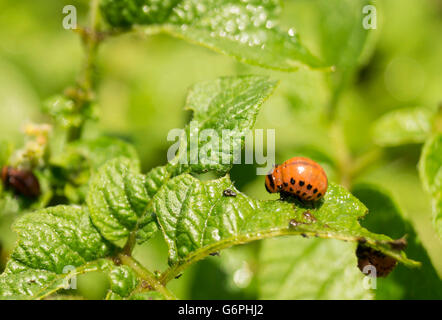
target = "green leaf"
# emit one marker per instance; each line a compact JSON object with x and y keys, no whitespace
{"x":437,"y":213}
{"x":342,"y":38}
{"x":226,"y":104}
{"x":66,"y":113}
{"x":124,"y":13}
{"x":404,"y":126}
{"x":72,"y":168}
{"x":293,"y":268}
{"x":54,"y":245}
{"x":9,"y":204}
{"x":123,"y":281}
{"x":147,"y":225}
{"x":430,"y":164}
{"x":117,"y":199}
{"x":430,"y":170}
{"x":197,"y":219}
{"x":97,"y":151}
{"x":246,"y":30}
{"x":386,"y":216}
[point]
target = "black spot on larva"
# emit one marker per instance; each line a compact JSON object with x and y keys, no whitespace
{"x":291,"y":189}
{"x":319,"y":195}
{"x":315,"y":190}
{"x":267,"y":188}
{"x":301,"y":183}
{"x":280,"y":187}
{"x":309,"y":186}
{"x":272,"y":183}
{"x":303,"y":194}
{"x":286,"y":184}
{"x":298,"y":192}
{"x":292,"y":181}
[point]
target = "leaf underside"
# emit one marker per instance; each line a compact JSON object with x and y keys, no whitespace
{"x":319,"y":270}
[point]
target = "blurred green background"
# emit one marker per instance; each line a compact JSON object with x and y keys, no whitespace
{"x":143,"y":82}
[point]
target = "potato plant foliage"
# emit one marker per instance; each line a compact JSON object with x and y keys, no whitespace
{"x":99,"y":207}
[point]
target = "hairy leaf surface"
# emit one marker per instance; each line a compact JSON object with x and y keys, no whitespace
{"x":225,"y":110}
{"x":118,"y":200}
{"x":54,"y":244}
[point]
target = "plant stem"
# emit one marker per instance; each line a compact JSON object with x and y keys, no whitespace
{"x":83,"y":93}
{"x":146,"y":275}
{"x":130,"y":244}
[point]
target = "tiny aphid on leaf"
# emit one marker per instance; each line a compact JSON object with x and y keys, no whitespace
{"x":23,"y":182}
{"x":300,"y":177}
{"x":229,"y":193}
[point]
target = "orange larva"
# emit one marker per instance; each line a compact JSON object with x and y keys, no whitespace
{"x":300,"y":177}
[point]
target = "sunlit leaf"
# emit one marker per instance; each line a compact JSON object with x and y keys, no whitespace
{"x":196,"y":218}
{"x":225,"y":110}
{"x":54,"y":245}
{"x":118,"y":200}
{"x":246,"y":30}
{"x":403,"y":126}
{"x":430,"y":169}
{"x":123,"y":281}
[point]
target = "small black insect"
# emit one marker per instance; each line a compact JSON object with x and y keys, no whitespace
{"x":23,"y":182}
{"x":229,"y":193}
